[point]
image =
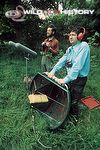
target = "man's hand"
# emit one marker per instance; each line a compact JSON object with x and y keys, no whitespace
{"x":48,"y":44}
{"x":60,"y":81}
{"x":50,"y":75}
{"x":42,"y":43}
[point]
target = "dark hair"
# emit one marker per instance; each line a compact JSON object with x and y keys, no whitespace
{"x":74,"y":29}
{"x":53,"y":28}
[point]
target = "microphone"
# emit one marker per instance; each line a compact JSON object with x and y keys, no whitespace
{"x":22,"y":47}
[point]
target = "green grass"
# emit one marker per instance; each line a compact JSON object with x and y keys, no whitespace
{"x":19,"y":131}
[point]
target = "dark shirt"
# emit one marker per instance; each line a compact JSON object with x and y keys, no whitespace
{"x":53,"y":45}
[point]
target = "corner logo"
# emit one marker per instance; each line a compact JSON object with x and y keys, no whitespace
{"x":16,"y":15}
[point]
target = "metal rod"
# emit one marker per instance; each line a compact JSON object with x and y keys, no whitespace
{"x":53,"y":99}
{"x":26,"y":59}
{"x":46,"y":115}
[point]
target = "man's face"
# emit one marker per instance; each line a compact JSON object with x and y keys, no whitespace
{"x":73,"y":37}
{"x":50,"y":33}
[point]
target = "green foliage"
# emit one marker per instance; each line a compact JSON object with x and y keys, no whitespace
{"x":60,"y":21}
{"x":92,"y":86}
{"x":30,"y":30}
{"x":43,"y":4}
{"x":93,"y":39}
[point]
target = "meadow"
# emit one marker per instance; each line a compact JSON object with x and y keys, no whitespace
{"x":22,"y":128}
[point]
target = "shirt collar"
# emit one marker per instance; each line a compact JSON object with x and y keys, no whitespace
{"x":50,"y":39}
{"x":74,"y":46}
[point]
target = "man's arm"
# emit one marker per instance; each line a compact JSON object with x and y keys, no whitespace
{"x":77,"y":66}
{"x":58,"y":66}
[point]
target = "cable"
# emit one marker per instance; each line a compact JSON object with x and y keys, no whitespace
{"x":36,"y":136}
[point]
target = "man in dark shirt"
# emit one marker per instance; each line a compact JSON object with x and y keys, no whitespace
{"x":50,"y":48}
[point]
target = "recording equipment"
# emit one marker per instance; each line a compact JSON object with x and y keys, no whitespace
{"x":81,"y":34}
{"x":22,"y":47}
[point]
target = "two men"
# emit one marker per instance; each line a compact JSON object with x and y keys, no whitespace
{"x":77,"y":62}
{"x":50,"y":48}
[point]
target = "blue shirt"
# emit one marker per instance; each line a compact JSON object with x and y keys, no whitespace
{"x":77,"y":61}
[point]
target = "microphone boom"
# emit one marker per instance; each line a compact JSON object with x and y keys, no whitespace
{"x":22,"y":47}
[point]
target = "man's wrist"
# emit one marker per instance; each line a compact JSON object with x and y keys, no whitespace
{"x":66,"y":80}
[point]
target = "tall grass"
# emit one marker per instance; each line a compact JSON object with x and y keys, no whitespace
{"x":20,"y":131}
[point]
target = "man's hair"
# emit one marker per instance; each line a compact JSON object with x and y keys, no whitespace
{"x":74,"y":29}
{"x":53,"y":28}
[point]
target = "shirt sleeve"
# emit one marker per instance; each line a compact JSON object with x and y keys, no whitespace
{"x":77,"y":65}
{"x":60,"y":64}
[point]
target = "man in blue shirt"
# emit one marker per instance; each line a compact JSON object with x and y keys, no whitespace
{"x":77,"y":62}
